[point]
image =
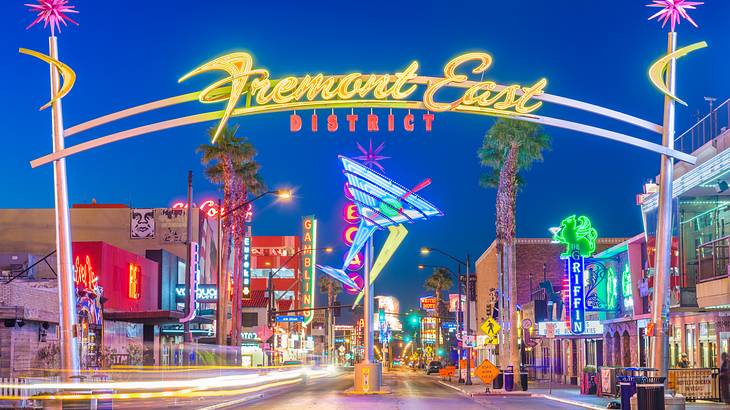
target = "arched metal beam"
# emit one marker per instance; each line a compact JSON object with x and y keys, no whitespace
{"x":416,"y":105}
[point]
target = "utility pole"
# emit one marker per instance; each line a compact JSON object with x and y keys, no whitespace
{"x":468,"y":323}
{"x":459,"y":321}
{"x":64,"y":259}
{"x":190,"y":277}
{"x":220,"y":328}
{"x":660,"y":308}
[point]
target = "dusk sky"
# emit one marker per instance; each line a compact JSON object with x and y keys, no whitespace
{"x":133,"y":52}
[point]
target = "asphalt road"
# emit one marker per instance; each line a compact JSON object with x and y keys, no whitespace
{"x":409,"y":391}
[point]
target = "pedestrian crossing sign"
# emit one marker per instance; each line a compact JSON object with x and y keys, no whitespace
{"x":491,"y":328}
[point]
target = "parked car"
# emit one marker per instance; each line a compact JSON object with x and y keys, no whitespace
{"x":433,"y":367}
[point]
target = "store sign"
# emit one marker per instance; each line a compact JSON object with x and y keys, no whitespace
{"x":84,"y":275}
{"x":134,"y":287}
{"x":592,"y":327}
{"x":210,"y":209}
{"x":204,"y":293}
{"x":309,"y":256}
{"x":575,"y":267}
{"x":695,"y":384}
{"x":289,"y":319}
{"x":352,"y":217}
{"x":429,"y":303}
{"x":272,"y":251}
{"x":264,"y":93}
{"x":246,"y":269}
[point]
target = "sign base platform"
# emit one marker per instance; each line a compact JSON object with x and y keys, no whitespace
{"x":368,"y":379}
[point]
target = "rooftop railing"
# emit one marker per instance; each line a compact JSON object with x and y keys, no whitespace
{"x":706,"y":129}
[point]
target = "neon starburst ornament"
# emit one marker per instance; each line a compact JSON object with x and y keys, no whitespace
{"x":371,"y":157}
{"x":673,"y":11}
{"x":53,"y":13}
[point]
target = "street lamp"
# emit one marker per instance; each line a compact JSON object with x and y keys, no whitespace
{"x":283,"y":194}
{"x":426,"y":251}
{"x":272,"y":274}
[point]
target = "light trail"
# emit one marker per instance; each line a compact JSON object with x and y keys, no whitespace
{"x":198,"y":387}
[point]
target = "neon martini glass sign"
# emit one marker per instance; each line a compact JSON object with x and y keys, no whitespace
{"x":382,"y":204}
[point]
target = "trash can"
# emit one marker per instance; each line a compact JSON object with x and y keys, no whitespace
{"x":498,"y":381}
{"x":650,"y":393}
{"x":509,"y":379}
{"x":627,"y":388}
{"x":523,"y":380}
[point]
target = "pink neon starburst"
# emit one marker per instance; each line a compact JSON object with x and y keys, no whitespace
{"x":52,"y":12}
{"x":371,"y":157}
{"x":673,"y":11}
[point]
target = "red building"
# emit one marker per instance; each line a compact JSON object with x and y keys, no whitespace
{"x":269,"y":254}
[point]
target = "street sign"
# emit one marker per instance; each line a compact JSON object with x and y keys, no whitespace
{"x":491,"y":328}
{"x":287,"y":319}
{"x":486,"y":372}
{"x":341,"y":349}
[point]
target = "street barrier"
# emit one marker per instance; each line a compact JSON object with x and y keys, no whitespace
{"x":447,"y":372}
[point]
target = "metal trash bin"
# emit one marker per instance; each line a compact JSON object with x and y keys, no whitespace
{"x":627,"y":388}
{"x":509,"y":379}
{"x":498,"y":381}
{"x":523,"y":380}
{"x":650,"y":393}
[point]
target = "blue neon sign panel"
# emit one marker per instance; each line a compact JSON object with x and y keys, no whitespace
{"x":574,"y":268}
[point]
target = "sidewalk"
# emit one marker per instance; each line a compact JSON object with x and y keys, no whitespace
{"x":563,"y":393}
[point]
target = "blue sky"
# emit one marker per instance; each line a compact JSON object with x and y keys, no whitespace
{"x":129,"y":53}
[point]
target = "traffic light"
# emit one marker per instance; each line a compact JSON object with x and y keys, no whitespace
{"x":272,"y":317}
{"x":407,"y":339}
{"x":337,"y":310}
{"x":414,"y":319}
{"x":381,"y":316}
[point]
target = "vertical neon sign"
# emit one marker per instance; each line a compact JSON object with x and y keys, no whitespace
{"x":246,"y":272}
{"x":134,"y":288}
{"x":309,"y":243}
{"x":574,"y":267}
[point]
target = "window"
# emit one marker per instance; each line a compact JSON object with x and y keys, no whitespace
{"x":281,"y":295}
{"x":250,"y":319}
{"x":285,"y":273}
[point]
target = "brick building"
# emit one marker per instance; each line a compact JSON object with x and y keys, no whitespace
{"x":540,"y":271}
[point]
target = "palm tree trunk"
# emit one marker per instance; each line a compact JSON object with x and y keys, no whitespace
{"x":505,"y":221}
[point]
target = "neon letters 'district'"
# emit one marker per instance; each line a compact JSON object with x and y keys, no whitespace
{"x":309,"y":243}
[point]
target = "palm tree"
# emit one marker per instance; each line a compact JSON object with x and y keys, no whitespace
{"x":439,"y":281}
{"x":510,"y":146}
{"x":230,"y":164}
{"x":331,"y":287}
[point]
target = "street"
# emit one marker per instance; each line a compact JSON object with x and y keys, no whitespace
{"x":409,"y":390}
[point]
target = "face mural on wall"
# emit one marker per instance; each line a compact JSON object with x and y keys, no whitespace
{"x":142,"y":223}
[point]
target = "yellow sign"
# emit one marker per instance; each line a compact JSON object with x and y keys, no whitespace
{"x":491,"y":328}
{"x":486,"y":372}
{"x":331,"y":91}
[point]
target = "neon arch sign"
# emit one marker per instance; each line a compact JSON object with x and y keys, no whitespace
{"x":249,"y":91}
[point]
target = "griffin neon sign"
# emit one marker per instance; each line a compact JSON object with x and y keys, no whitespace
{"x":265,"y":94}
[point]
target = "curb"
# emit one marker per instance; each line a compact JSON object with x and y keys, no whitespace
{"x":535,"y":395}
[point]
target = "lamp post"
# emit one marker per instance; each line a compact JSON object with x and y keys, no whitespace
{"x":426,"y":251}
{"x":222,"y":275}
{"x":270,"y":284}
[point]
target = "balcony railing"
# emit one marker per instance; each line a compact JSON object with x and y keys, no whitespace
{"x":712,"y":259}
{"x":706,"y":129}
